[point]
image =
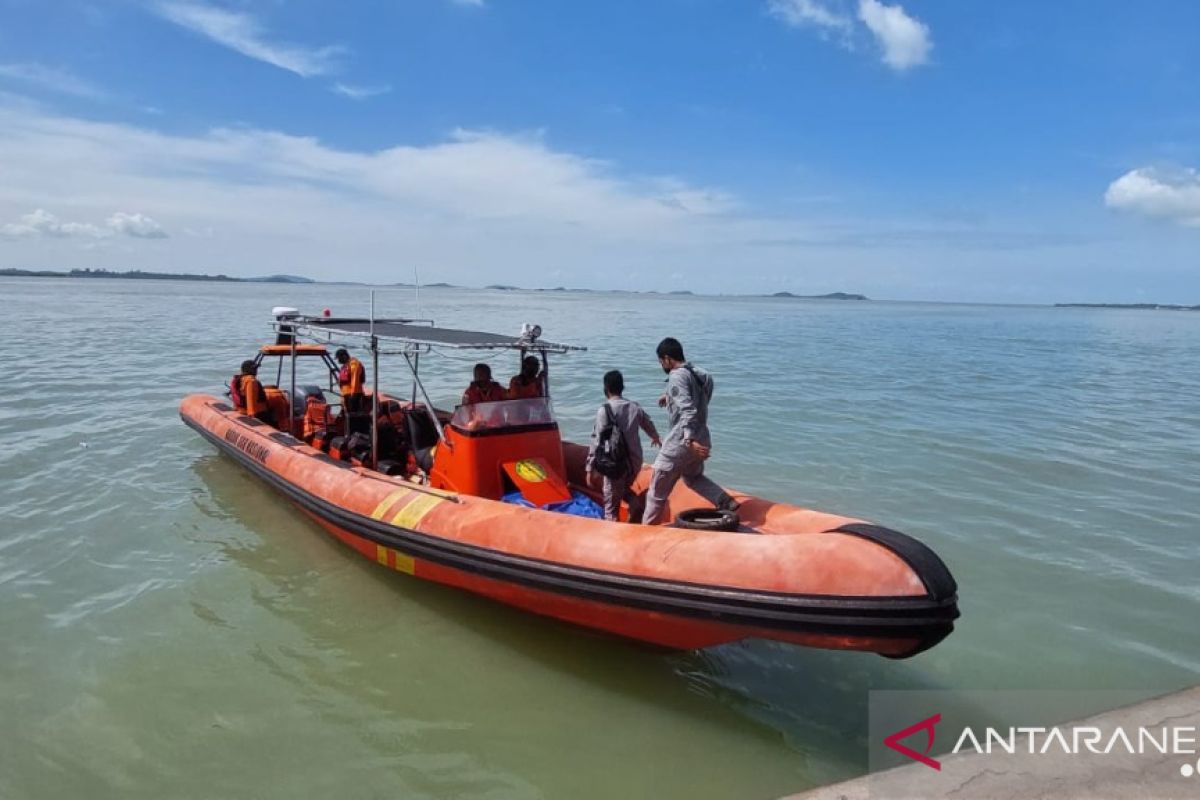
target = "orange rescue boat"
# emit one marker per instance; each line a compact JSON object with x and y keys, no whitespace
{"x":422,"y":491}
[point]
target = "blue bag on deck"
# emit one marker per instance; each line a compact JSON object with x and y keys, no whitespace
{"x":580,"y":505}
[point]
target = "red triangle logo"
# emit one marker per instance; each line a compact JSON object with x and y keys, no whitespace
{"x":926,"y":725}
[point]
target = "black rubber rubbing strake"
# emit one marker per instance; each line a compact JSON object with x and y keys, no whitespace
{"x":929,"y":567}
{"x":925,"y":619}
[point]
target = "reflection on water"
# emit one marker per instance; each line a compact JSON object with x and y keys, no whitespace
{"x":443,"y":630}
{"x":173,"y":627}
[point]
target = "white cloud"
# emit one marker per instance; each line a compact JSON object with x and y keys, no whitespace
{"x":475,"y":208}
{"x":1172,"y":194}
{"x":243,"y":33}
{"x":56,"y":80}
{"x":905,"y":41}
{"x":360,"y":92}
{"x":43,"y":224}
{"x":811,"y":13}
{"x":474,"y":199}
{"x":138,"y":226}
{"x":471,"y":3}
{"x":677,"y":194}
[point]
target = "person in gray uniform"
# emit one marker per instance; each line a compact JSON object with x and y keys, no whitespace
{"x":626,"y":418}
{"x":688,"y":444}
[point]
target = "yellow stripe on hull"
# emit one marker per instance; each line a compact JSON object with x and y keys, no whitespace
{"x":415,"y":510}
{"x":386,"y":504}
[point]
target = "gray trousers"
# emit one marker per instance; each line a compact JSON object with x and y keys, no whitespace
{"x":667,"y":472}
{"x":615,"y":491}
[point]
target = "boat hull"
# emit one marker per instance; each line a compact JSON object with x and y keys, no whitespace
{"x":665,"y":586}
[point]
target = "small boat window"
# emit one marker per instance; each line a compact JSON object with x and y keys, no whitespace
{"x":503,"y":414}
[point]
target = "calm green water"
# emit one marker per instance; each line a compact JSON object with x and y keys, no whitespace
{"x":171,"y":628}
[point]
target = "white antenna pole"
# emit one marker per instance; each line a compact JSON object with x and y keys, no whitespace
{"x":417,"y":284}
{"x":374,"y":390}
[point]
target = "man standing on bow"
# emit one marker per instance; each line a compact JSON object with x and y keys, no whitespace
{"x":350,"y":378}
{"x":688,"y":445}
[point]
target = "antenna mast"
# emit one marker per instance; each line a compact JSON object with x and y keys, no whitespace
{"x":417,"y":285}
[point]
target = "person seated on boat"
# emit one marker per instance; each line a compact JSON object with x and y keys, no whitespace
{"x":253,"y":396}
{"x":235,"y":387}
{"x":527,"y":383}
{"x":483,"y":389}
{"x":351,"y":377}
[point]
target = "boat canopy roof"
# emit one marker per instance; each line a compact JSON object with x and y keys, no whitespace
{"x":286,"y":350}
{"x":409,"y":333}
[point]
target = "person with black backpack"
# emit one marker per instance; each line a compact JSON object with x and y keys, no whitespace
{"x":616,"y":450}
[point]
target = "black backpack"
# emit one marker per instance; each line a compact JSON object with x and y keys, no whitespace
{"x":359,"y":445}
{"x":612,"y":456}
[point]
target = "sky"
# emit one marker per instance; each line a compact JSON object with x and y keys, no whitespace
{"x":947,"y":150}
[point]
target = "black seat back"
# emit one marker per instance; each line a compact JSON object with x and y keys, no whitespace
{"x":421,"y":430}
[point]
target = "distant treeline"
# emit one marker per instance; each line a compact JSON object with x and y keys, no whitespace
{"x":830,"y":296}
{"x":137,"y":274}
{"x":1142,"y":306}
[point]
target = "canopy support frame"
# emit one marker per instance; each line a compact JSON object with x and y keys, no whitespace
{"x":322,"y":330}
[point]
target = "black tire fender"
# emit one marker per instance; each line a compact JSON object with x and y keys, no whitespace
{"x":707,"y":519}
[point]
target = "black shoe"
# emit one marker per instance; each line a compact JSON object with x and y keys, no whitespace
{"x":727,"y":503}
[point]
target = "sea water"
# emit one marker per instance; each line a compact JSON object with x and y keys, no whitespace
{"x":171,"y":627}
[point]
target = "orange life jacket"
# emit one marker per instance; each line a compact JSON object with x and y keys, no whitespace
{"x":519,"y":388}
{"x":485,"y":393}
{"x":351,"y":377}
{"x":235,"y":392}
{"x":316,"y":416}
{"x":253,"y":395}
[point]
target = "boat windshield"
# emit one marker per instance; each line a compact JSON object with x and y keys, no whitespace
{"x":503,"y":414}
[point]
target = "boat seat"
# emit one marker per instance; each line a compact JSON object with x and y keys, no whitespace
{"x":316,"y":416}
{"x":278,"y":403}
{"x":421,"y":431}
{"x":305,"y":392}
{"x":424,"y":459}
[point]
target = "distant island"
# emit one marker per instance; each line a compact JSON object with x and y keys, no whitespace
{"x":1137,"y":306}
{"x":278,"y":279}
{"x":830,"y":296}
{"x":137,"y":274}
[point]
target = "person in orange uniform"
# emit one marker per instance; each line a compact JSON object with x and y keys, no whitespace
{"x":252,"y":395}
{"x":235,"y":387}
{"x":529,"y":382}
{"x":351,"y":378}
{"x":483,"y":389}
